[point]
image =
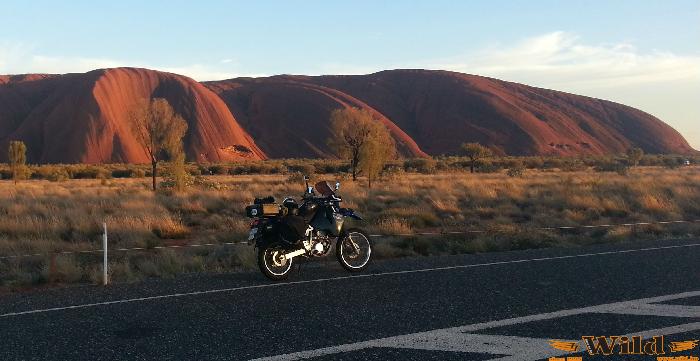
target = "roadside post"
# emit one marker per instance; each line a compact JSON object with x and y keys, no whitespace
{"x":104,"y":254}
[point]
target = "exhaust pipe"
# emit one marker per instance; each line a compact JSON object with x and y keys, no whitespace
{"x":293,"y":254}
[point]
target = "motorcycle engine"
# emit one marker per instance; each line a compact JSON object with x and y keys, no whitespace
{"x":319,"y":244}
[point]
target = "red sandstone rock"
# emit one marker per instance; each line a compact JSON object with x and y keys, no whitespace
{"x":84,"y":117}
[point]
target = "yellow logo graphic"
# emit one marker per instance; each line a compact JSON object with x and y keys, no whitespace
{"x":683,"y":345}
{"x":566,"y":346}
{"x":625,"y":345}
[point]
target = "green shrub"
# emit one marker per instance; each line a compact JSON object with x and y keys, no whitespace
{"x":516,"y":171}
{"x":52,"y":173}
{"x":553,"y":163}
{"x":672,"y":162}
{"x":330,"y":166}
{"x":534,"y":162}
{"x":510,"y":162}
{"x":131,"y":172}
{"x":613,"y":166}
{"x":295,"y":178}
{"x":306,"y":169}
{"x":573,"y":165}
{"x":420,"y":165}
{"x":219,"y":169}
{"x":487,"y":166}
{"x":138,"y":173}
{"x":90,"y":172}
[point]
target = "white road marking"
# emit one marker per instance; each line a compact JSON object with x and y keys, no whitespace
{"x":572,"y":312}
{"x":525,"y":348}
{"x":515,"y":348}
{"x":646,"y":309}
{"x":462,"y":338}
{"x":368,"y":275}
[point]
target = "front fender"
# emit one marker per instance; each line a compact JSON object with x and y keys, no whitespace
{"x":347,"y":212}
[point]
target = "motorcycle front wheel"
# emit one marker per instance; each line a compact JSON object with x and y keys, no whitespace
{"x":353,"y":249}
{"x":272,"y":262}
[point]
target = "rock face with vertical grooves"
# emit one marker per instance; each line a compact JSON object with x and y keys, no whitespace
{"x":437,"y":111}
{"x":83,"y":117}
{"x":290,"y":118}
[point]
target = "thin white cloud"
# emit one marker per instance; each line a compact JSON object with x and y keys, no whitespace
{"x":345,"y":69}
{"x":561,"y":59}
{"x":59,"y":65}
{"x":19,"y":58}
{"x":660,"y":82}
{"x":199,"y":72}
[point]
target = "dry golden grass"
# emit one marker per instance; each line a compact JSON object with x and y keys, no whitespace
{"x":42,"y":216}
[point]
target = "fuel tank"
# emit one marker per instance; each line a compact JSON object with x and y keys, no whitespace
{"x":325,"y":219}
{"x":308,"y":210}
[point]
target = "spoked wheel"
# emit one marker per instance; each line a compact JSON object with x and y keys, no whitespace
{"x":272,"y":262}
{"x":353,"y":250}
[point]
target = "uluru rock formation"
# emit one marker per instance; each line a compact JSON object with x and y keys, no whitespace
{"x":440,"y":110}
{"x":291,"y":118}
{"x":83,"y":117}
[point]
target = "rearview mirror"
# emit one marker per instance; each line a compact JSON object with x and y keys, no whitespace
{"x":306,"y":181}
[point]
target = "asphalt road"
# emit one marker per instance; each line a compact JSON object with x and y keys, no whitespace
{"x":474,"y":307}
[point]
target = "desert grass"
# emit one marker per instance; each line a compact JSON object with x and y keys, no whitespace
{"x":39,"y":216}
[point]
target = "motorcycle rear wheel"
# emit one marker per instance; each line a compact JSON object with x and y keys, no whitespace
{"x":272,"y":262}
{"x":354,"y":249}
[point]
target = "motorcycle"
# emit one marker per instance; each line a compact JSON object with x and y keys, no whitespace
{"x":283,"y":232}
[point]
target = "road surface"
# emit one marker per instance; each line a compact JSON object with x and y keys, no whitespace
{"x":504,"y":306}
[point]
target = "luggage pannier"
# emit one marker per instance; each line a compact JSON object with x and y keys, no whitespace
{"x":292,"y":228}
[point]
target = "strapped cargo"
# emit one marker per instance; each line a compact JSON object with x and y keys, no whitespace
{"x":263,"y":207}
{"x":270,"y":209}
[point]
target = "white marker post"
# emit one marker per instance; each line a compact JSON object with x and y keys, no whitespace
{"x":104,"y":254}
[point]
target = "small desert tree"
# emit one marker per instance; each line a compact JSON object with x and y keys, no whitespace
{"x":17,"y":155}
{"x":634,"y":155}
{"x":375,"y":153}
{"x":352,"y":129}
{"x":158,"y":129}
{"x":177,"y":166}
{"x":475,"y":152}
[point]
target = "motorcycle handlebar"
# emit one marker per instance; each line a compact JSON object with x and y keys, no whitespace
{"x":331,"y":199}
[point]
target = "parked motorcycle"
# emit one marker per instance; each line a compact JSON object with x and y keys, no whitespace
{"x":283,"y":232}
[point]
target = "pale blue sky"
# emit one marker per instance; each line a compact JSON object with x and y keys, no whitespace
{"x":642,"y":53}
